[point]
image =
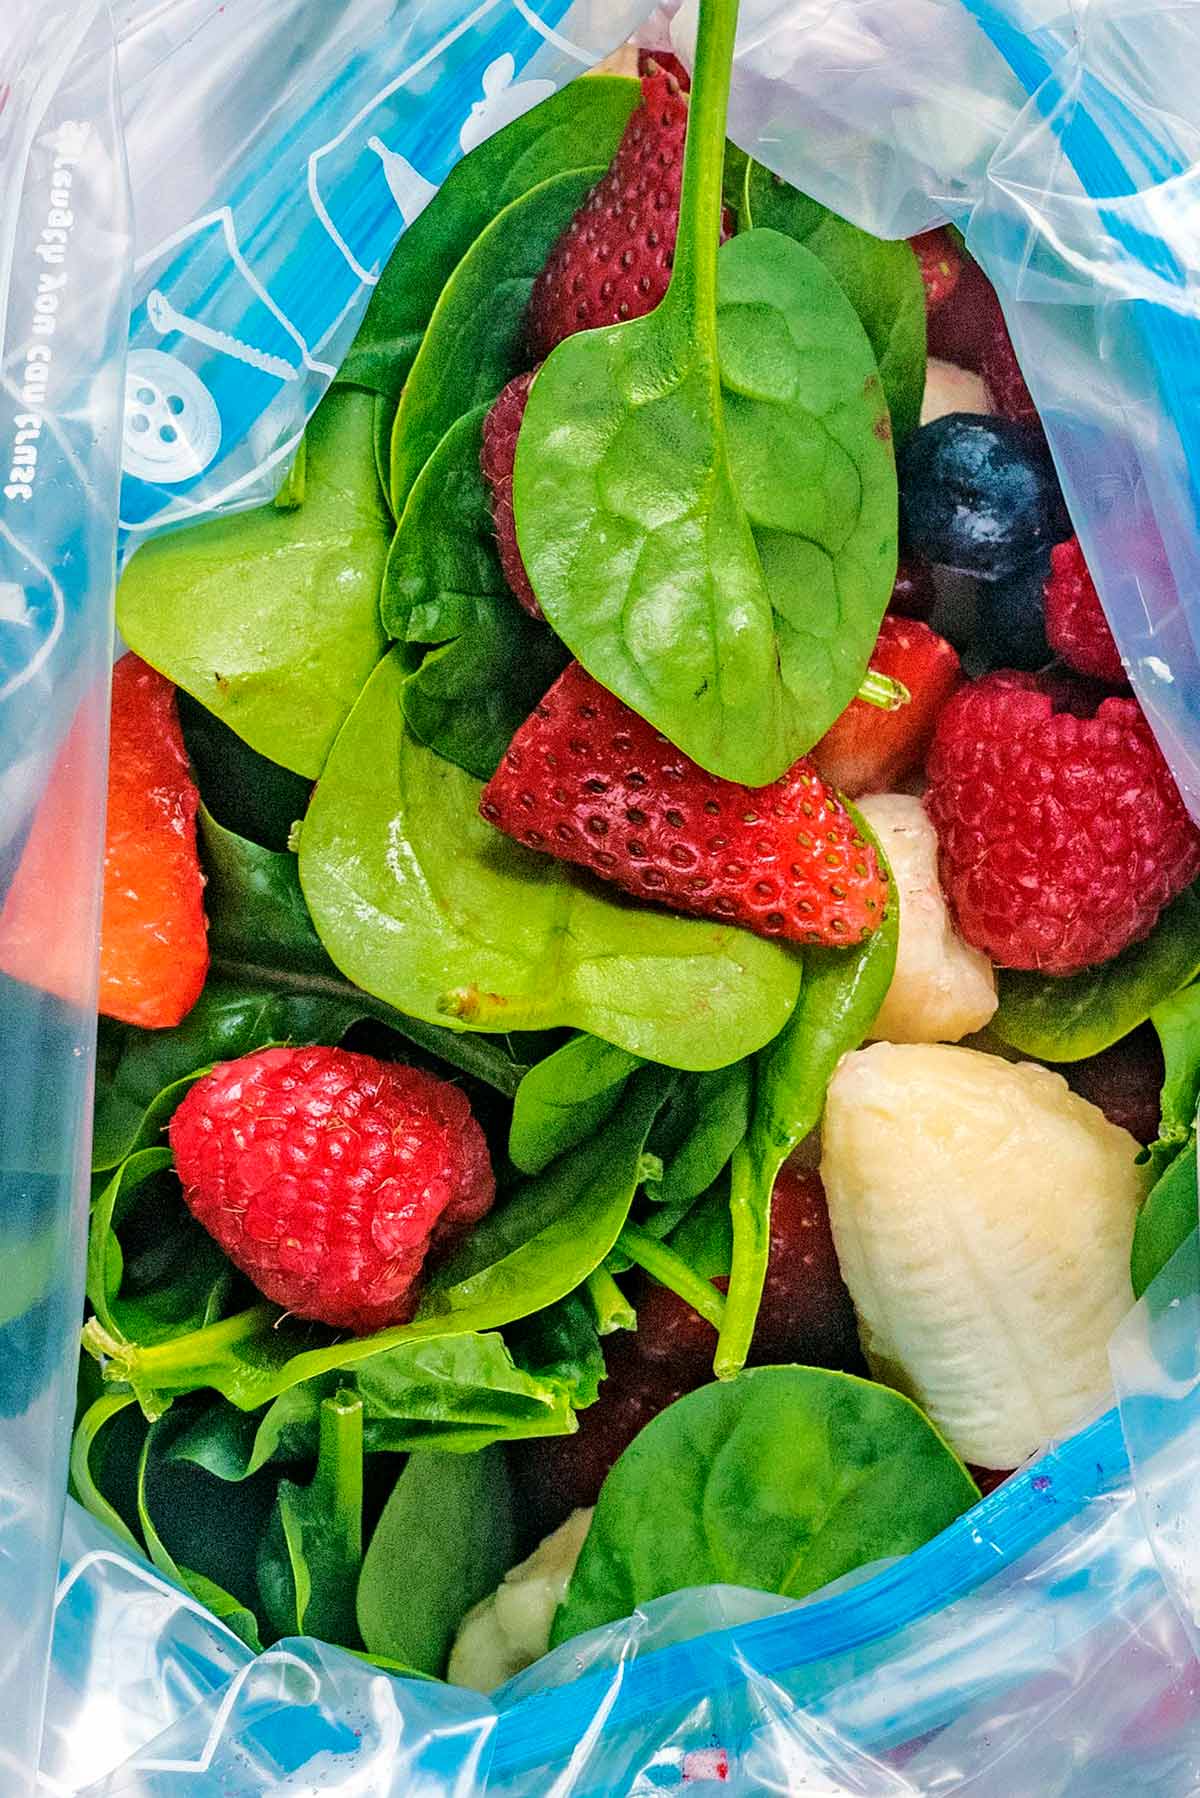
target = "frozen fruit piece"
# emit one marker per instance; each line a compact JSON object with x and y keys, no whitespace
{"x":510,"y":1628}
{"x":942,"y":989}
{"x":1125,"y":1081}
{"x":1010,"y":624}
{"x":988,"y":1478}
{"x":978,"y":494}
{"x":1061,"y":836}
{"x":153,"y":940}
{"x":614,"y":259}
{"x":914,"y":594}
{"x":983,"y":1216}
{"x":805,"y":1314}
{"x":1075,"y":621}
{"x":1002,"y":375}
{"x":328,"y":1177}
{"x":589,"y":781}
{"x":496,"y":457}
{"x":949,"y":388}
{"x":961,"y":329}
{"x":869,"y":749}
{"x":941,"y":266}
{"x":649,"y":61}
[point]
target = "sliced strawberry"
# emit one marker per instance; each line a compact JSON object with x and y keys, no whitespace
{"x":868,"y":750}
{"x":496,"y":457}
{"x":941,"y":267}
{"x":651,"y":61}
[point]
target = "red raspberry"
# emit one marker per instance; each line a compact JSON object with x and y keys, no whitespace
{"x":1075,"y":623}
{"x":1002,"y":375}
{"x":328,"y":1177}
{"x":614,"y":259}
{"x":805,"y":1314}
{"x":1062,"y":834}
{"x":589,"y":781}
{"x":941,"y":267}
{"x":496,"y":458}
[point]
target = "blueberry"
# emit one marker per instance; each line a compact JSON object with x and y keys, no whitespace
{"x":978,"y":494}
{"x":1010,"y":629}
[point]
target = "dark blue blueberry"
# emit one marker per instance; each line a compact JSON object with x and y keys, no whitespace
{"x":979,"y":494}
{"x":1010,"y":628}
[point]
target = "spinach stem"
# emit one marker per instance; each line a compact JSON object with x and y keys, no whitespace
{"x":671,"y":1270}
{"x":611,"y":1308}
{"x":171,"y":1366}
{"x":694,"y":279}
{"x":752,"y":1180}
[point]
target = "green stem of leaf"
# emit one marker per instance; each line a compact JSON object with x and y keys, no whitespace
{"x":610,"y":1307}
{"x":672,"y":1271}
{"x":693,"y":286}
{"x":339,"y":1477}
{"x":170,"y":1366}
{"x":882,"y":691}
{"x":752,"y":1180}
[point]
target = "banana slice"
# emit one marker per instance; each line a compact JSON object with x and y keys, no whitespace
{"x":983,"y":1216}
{"x":510,"y":1628}
{"x":942,"y":988}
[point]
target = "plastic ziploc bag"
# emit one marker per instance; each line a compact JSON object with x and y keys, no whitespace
{"x":252,"y":264}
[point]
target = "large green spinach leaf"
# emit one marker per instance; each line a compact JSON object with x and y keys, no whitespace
{"x":706,"y":497}
{"x":310,"y":1552}
{"x":1177,"y":1022}
{"x":444,"y":585}
{"x":271,"y":618}
{"x":475,"y":341}
{"x":423,"y":904}
{"x":782,"y":1479}
{"x":1167,"y":1219}
{"x":577,"y":128}
{"x":881,"y":280}
{"x":445,"y":1540}
{"x":1066,"y":1019}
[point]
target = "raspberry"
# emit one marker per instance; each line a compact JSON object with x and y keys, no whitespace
{"x":589,"y":781}
{"x":1061,"y":832}
{"x":1075,"y":623}
{"x":328,"y":1177}
{"x":496,"y":458}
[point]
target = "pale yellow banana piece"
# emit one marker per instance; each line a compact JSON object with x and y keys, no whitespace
{"x":510,"y":1628}
{"x":983,"y":1216}
{"x":942,"y":988}
{"x":949,"y":388}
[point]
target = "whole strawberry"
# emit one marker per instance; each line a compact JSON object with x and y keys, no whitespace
{"x":589,"y":781}
{"x":1061,"y":833}
{"x":328,"y":1177}
{"x":868,"y":749}
{"x":614,"y":259}
{"x":1075,"y":623}
{"x":497,"y":454}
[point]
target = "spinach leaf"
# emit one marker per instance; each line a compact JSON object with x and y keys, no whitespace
{"x":782,"y":1479}
{"x":577,"y":128}
{"x":707,"y":1117}
{"x":561,"y":1344}
{"x":445,"y":1540}
{"x":422,"y":903}
{"x":475,"y":341}
{"x":1068,"y":1018}
{"x":706,"y":497}
{"x":1167,"y":1219}
{"x":881,"y":280}
{"x":565,"y":1098}
{"x":1177,"y":1021}
{"x":270,"y":618}
{"x":839,"y":1000}
{"x":530,"y":1251}
{"x":444,"y":585}
{"x":92,"y":1438}
{"x":310,"y":1552}
{"x":241,"y":789}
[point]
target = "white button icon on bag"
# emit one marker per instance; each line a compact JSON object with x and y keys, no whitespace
{"x":172,"y":426}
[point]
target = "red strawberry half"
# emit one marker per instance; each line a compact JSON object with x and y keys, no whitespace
{"x":496,"y":457}
{"x":614,"y":259}
{"x":867,"y":750}
{"x":941,"y":267}
{"x":589,"y":781}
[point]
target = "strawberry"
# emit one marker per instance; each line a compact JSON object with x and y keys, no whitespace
{"x":867,"y":750}
{"x":649,"y":62}
{"x":588,"y":781}
{"x":153,"y":941}
{"x":613,"y":261}
{"x":497,"y":454}
{"x":914,"y":594}
{"x":941,"y":267}
{"x":328,"y":1177}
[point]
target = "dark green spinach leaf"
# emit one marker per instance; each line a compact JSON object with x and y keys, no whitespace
{"x":1177,"y":1021}
{"x":93,"y":1438}
{"x":576,"y":128}
{"x":445,"y":1540}
{"x":701,"y":1125}
{"x":1167,"y":1219}
{"x":241,"y":789}
{"x":444,"y":585}
{"x":310,"y":1552}
{"x":882,"y":281}
{"x":475,"y":340}
{"x":565,"y":1098}
{"x":1068,"y":1018}
{"x":782,"y":1479}
{"x":422,"y":903}
{"x":270,"y":618}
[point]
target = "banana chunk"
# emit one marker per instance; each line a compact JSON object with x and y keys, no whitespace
{"x":942,"y":989}
{"x":949,"y":388}
{"x":983,"y":1216}
{"x":510,"y":1629}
